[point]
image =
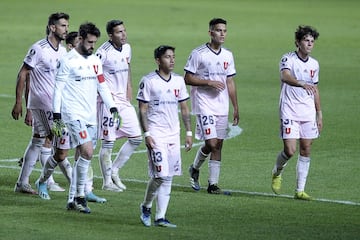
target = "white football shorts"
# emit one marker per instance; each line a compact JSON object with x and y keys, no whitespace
{"x":290,"y":129}
{"x":130,"y":126}
{"x":211,"y":126}
{"x":164,"y":160}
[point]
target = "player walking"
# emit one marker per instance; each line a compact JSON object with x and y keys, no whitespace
{"x":160,"y":94}
{"x":300,"y":110}
{"x":115,"y":55}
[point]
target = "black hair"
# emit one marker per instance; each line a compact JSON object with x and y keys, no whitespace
{"x":111,"y":24}
{"x":303,"y":30}
{"x":70,"y":38}
{"x":215,"y":21}
{"x":53,"y":18}
{"x":159,"y":51}
{"x":88,"y":28}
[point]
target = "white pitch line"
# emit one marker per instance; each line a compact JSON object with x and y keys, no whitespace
{"x":234,"y":131}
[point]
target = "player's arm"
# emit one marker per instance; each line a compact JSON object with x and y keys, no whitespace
{"x":20,"y":85}
{"x":185,"y":114}
{"x":233,"y":98}
{"x":28,"y":115}
{"x":143,"y":109}
{"x":129,"y":86}
{"x":288,"y":78}
{"x":191,"y":79}
{"x":318,"y":108}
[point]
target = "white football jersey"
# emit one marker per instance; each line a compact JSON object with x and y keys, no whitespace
{"x":295,"y":102}
{"x":206,"y":64}
{"x":78,"y":81}
{"x":43,"y":59}
{"x":163,"y":98}
{"x":116,"y":68}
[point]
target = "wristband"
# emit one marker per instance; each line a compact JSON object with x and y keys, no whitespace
{"x":56,"y":116}
{"x":147,"y":134}
{"x":189,"y":133}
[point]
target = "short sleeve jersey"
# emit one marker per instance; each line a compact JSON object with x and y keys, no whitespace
{"x":42,"y":58}
{"x":116,"y":68}
{"x":204,"y":63}
{"x":295,"y":102}
{"x":163,"y":97}
{"x":81,"y":76}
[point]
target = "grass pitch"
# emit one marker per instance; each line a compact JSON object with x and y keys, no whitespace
{"x":259,"y":32}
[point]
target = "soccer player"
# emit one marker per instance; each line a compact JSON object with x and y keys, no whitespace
{"x":71,"y":40}
{"x":210,"y":72}
{"x":40,"y":66}
{"x":115,"y":55}
{"x":300,"y":110}
{"x":160,"y":94}
{"x":78,"y":81}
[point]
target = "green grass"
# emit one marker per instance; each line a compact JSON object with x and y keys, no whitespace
{"x":259,"y":32}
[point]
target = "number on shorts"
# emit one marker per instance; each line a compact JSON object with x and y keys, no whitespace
{"x":206,"y":120}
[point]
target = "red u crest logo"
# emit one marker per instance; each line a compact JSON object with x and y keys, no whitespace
{"x":158,"y":168}
{"x":105,"y":132}
{"x":312,"y":73}
{"x":176,"y":92}
{"x":207,"y":131}
{"x":83,"y":134}
{"x":226,"y":64}
{"x":62,"y":141}
{"x":287,"y":130}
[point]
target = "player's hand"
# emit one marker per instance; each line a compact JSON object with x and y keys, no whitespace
{"x":116,"y":117}
{"x":188,"y":143}
{"x":217,"y":85}
{"x":16,"y":111}
{"x":28,"y":118}
{"x":58,"y":125}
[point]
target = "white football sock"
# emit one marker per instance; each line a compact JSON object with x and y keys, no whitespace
{"x":66,"y":169}
{"x":302,"y":170}
{"x":72,"y":188}
{"x":89,"y":180}
{"x":214,"y":171}
{"x":126,"y":150}
{"x":30,"y":157}
{"x":81,"y":168}
{"x":280,"y":164}
{"x":151,"y":191}
{"x":48,"y":169}
{"x":105,"y":161}
{"x":199,"y":158}
{"x":163,"y":198}
{"x":45,"y":153}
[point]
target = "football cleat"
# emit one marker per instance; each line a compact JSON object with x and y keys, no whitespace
{"x":42,"y":188}
{"x":302,"y":196}
{"x":91,"y":197}
{"x":194,"y":178}
{"x":54,"y":187}
{"x":163,"y":222}
{"x":213,"y":189}
{"x":24,"y":188}
{"x":276,"y":184}
{"x":81,"y":205}
{"x":117,"y":181}
{"x":70,"y":206}
{"x":111,"y":187}
{"x":145,"y":215}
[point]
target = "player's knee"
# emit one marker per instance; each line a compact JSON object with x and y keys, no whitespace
{"x":136,"y":141}
{"x":107,"y":144}
{"x":60,"y":155}
{"x":38,"y":142}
